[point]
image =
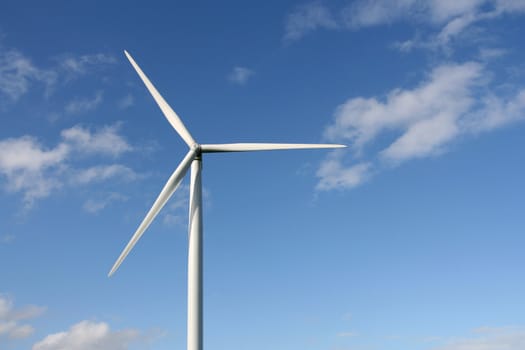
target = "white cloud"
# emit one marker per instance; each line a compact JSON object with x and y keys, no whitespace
{"x":454,"y":28}
{"x":24,"y":163}
{"x":83,"y":105}
{"x":6,"y":328}
{"x":89,"y":335}
{"x":487,"y":338}
{"x":446,"y":19}
{"x":17,"y":73}
{"x":496,"y":112}
{"x":35,"y":170}
{"x":367,"y":13}
{"x":446,"y":93}
{"x":21,"y":332}
{"x":453,"y":18}
{"x":444,"y":10}
{"x":77,"y":65}
{"x":333,"y":175}
{"x":26,"y":153}
{"x":106,"y":141}
{"x":423,"y":138}
{"x":452,"y":101}
{"x":85,"y":335}
{"x":308,"y":18}
{"x":5,"y":307}
{"x":511,"y":6}
{"x":449,"y":103}
{"x":240,"y":75}
{"x":10,"y":318}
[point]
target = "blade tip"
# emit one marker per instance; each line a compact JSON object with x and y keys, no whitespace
{"x":111,"y":272}
{"x":128,"y":56}
{"x":113,"y":269}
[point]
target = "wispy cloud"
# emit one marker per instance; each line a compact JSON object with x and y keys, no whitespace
{"x":333,"y":174}
{"x":445,"y":20}
{"x":17,"y":73}
{"x":89,"y":335}
{"x":27,"y":312}
{"x":367,"y":13}
{"x":451,"y":102}
{"x":84,"y":335}
{"x":240,"y":75}
{"x":347,"y":334}
{"x":126,"y":102}
{"x":308,"y":18}
{"x":25,"y":164}
{"x":10,"y":319}
{"x":95,"y":205}
{"x":176,"y":212}
{"x":347,"y":316}
{"x":35,"y":170}
{"x":489,"y":338}
{"x":487,"y":54}
{"x":103,"y":172}
{"x":7,"y":238}
{"x":105,"y":141}
{"x":83,"y":105}
{"x":364,"y":13}
{"x":443,"y":96}
{"x":78,"y":65}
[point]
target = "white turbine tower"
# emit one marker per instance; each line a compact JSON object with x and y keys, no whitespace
{"x":193,"y":158}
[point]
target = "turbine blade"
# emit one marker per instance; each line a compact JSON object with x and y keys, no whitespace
{"x":170,"y":187}
{"x":170,"y":114}
{"x":246,"y":147}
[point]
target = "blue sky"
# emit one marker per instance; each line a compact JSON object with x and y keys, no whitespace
{"x":411,"y":238}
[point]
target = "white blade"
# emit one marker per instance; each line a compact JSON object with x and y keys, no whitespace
{"x":246,"y":147}
{"x":170,"y":187}
{"x":170,"y":114}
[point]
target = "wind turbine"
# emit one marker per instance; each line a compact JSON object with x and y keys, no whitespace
{"x":193,"y":158}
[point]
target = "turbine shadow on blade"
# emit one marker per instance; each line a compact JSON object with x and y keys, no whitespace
{"x":194,"y":159}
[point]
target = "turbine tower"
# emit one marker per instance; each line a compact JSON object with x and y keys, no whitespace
{"x":193,"y":158}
